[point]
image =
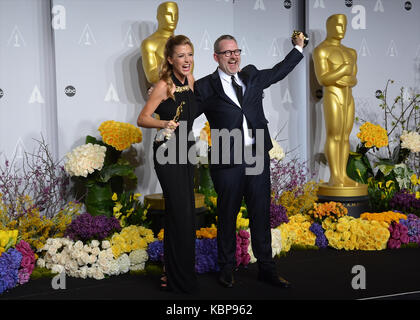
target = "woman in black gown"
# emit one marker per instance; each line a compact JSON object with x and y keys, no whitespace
{"x":174,"y":88}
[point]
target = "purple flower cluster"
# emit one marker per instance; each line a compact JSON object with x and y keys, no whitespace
{"x":412,"y":223}
{"x":87,"y":227}
{"x":277,"y":215}
{"x":28,"y":261}
{"x":155,"y":251}
{"x":288,"y":175}
{"x":9,"y":269}
{"x":206,"y":255}
{"x":321,"y":240}
{"x":399,"y":235}
{"x":406,"y":202}
{"x":242,"y":242}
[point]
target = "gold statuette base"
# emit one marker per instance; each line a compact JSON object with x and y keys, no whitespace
{"x":157,"y":202}
{"x":335,"y":191}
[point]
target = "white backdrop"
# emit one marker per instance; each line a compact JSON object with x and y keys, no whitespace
{"x":68,"y":65}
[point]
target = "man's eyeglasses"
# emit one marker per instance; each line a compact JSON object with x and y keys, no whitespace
{"x":228,"y":53}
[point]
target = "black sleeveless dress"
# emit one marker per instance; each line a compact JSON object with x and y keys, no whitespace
{"x":176,"y":180}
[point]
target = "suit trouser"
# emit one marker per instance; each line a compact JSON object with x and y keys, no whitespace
{"x":232,"y":185}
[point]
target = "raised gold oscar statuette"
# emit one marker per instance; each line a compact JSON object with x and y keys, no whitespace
{"x":335,"y":68}
{"x":296,"y":33}
{"x":166,"y":134}
{"x":152,"y":48}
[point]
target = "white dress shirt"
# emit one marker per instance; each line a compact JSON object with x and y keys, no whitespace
{"x":230,"y":92}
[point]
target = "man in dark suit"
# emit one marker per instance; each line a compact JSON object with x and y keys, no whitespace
{"x":231,"y":99}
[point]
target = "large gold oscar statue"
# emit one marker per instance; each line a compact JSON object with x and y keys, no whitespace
{"x":152,"y":48}
{"x":335,"y":69}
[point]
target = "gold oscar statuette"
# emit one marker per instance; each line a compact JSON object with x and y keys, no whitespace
{"x":335,"y":69}
{"x":296,"y":33}
{"x":152,"y":48}
{"x":166,"y":134}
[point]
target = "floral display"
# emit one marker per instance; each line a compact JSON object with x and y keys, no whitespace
{"x":94,"y":260}
{"x":205,"y":133}
{"x":35,"y":228}
{"x":325,"y":210}
{"x":321,"y":240}
{"x":155,"y":251}
{"x":27,"y":263}
{"x":131,"y":238}
{"x":87,"y":227}
{"x":299,"y":200}
{"x":277,"y":151}
{"x":208,"y":233}
{"x":350,"y":233}
{"x":387,"y":216}
{"x":372,"y":135}
{"x":8,"y":239}
{"x":410,"y":140}
{"x":241,"y":223}
{"x":412,"y":223}
{"x":242,"y":256}
{"x":398,"y":235}
{"x":206,"y":255}
{"x":278,"y":215}
{"x":120,"y":135}
{"x":405,"y":201}
{"x":299,"y":224}
{"x":9,"y":269}
{"x":85,"y":159}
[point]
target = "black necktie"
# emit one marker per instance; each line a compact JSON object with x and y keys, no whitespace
{"x":238,"y":90}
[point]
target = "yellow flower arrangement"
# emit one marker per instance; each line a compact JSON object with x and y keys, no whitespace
{"x":302,"y":203}
{"x":388,"y":216}
{"x":205,"y":133}
{"x":350,"y":233}
{"x":8,"y":238}
{"x":242,"y":223}
{"x":35,"y":228}
{"x":131,"y":238}
{"x":372,"y":135}
{"x":331,"y":209}
{"x":208,"y":233}
{"x":296,"y":232}
{"x":120,"y":135}
{"x":161,"y":234}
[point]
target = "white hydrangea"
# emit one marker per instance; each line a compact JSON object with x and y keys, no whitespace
{"x":276,"y":241}
{"x":85,"y":159}
{"x":410,"y":140}
{"x":277,"y":151}
{"x":124,"y":263}
{"x":138,"y":259}
{"x":87,"y":261}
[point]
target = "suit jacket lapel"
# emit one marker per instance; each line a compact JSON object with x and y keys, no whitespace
{"x":218,"y":87}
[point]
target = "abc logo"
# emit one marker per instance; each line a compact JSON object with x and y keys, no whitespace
{"x":1,"y":93}
{"x":287,"y":4}
{"x":378,"y":93}
{"x":70,"y":91}
{"x":408,"y":5}
{"x":348,"y":3}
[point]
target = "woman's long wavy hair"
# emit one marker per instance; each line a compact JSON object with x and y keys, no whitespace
{"x":166,"y":68}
